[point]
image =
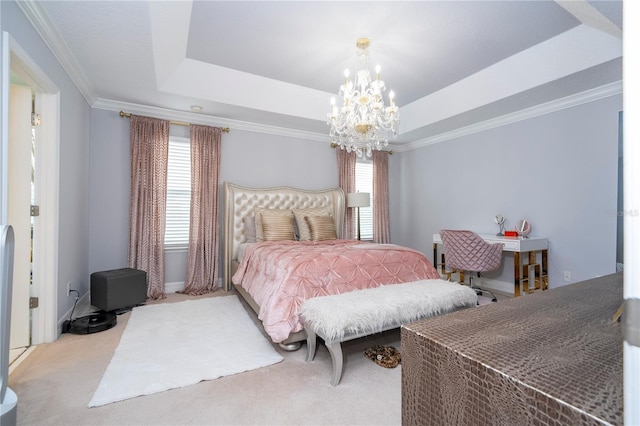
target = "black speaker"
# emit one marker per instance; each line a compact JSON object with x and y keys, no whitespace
{"x":118,"y":289}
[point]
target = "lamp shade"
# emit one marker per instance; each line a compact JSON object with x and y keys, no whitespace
{"x":358,"y":199}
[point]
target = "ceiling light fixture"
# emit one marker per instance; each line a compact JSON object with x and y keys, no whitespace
{"x":196,"y":108}
{"x":363,"y":123}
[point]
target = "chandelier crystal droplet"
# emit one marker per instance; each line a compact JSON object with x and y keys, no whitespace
{"x":362,"y":123}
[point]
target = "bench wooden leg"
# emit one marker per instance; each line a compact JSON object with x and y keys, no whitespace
{"x":311,"y":344}
{"x":335,"y":349}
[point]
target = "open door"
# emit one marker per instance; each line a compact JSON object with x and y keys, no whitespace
{"x":20,"y":170}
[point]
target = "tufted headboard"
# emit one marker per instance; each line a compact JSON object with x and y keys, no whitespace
{"x":240,"y":202}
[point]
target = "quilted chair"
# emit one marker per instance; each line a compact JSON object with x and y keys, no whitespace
{"x":467,"y":251}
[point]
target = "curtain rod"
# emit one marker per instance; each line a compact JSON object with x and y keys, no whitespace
{"x":178,"y":123}
{"x":335,"y":145}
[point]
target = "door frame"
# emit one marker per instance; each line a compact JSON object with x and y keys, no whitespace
{"x":44,"y":324}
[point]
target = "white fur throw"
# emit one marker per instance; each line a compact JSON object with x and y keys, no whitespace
{"x":364,"y":312}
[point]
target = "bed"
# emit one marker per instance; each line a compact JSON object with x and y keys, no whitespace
{"x":276,"y":275}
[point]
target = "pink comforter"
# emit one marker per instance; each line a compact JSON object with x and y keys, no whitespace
{"x":281,"y":275}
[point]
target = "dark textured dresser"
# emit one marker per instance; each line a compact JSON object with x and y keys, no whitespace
{"x":550,"y":358}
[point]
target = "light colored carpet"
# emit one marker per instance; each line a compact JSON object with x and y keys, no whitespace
{"x":172,"y":345}
{"x":55,"y":382}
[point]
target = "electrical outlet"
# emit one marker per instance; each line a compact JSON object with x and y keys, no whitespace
{"x":69,"y":288}
{"x":567,"y":276}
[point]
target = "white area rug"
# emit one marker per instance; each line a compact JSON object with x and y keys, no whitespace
{"x":171,"y":345}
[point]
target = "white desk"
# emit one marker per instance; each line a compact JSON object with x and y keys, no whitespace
{"x":523,"y":275}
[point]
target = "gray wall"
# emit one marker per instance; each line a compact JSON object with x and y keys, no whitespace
{"x":73,"y":226}
{"x":248,"y":159}
{"x":559,"y":171}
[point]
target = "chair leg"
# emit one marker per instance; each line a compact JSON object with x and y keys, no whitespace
{"x":481,"y":291}
{"x":477,"y":290}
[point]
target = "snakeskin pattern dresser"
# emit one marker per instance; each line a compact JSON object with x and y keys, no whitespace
{"x":550,"y":358}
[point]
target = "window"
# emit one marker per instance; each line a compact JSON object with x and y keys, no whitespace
{"x":178,"y":193}
{"x":364,"y":183}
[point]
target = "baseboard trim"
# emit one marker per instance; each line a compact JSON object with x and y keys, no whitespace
{"x":502,"y":288}
{"x":21,"y":358}
{"x":82,"y":308}
{"x":179,"y":286}
{"x":173,"y":287}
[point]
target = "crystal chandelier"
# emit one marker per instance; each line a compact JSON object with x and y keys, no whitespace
{"x":362,"y":123}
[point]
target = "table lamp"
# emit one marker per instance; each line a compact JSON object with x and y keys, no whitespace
{"x":357,"y":200}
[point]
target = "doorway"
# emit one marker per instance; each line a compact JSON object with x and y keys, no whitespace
{"x":44,"y":98}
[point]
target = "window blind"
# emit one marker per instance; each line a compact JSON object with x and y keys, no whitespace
{"x":364,"y":183}
{"x":178,"y":193}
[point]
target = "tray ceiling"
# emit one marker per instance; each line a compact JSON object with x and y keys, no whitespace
{"x":452,"y":64}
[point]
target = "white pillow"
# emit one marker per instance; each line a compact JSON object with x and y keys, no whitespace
{"x":249,"y":229}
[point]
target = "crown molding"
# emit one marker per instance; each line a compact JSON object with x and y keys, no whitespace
{"x":54,"y":41}
{"x":601,"y":92}
{"x":208,"y":120}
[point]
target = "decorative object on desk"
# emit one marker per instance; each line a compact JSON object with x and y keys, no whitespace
{"x":510,"y":233}
{"x":499,"y":220}
{"x":523,"y":227}
{"x":357,"y":200}
{"x":362,"y":123}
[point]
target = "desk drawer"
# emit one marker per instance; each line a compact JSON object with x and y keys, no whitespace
{"x":511,"y":245}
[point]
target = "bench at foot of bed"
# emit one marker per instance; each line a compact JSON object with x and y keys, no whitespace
{"x":347,"y":316}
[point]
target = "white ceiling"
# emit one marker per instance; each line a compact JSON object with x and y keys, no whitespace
{"x":270,"y":64}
